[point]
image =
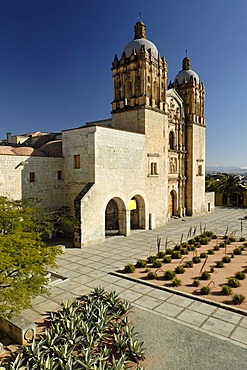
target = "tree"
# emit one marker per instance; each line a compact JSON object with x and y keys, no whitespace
{"x":24,"y":257}
{"x":230,"y":185}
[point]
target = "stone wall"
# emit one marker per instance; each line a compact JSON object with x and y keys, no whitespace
{"x":119,"y":175}
{"x":46,"y":187}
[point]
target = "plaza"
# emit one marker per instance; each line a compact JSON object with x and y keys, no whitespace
{"x":85,"y":269}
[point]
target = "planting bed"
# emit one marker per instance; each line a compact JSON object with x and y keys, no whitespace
{"x":206,"y":273}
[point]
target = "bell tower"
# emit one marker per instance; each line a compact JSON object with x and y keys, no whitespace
{"x":139,"y":77}
{"x":192,"y":91}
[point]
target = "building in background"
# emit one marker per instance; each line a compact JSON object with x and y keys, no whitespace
{"x":135,"y":170}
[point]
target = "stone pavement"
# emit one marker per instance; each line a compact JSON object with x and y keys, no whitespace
{"x":90,"y":267}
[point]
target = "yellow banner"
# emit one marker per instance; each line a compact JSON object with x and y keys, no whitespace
{"x":132,"y":204}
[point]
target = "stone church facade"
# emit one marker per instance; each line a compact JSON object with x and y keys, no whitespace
{"x":135,"y":170}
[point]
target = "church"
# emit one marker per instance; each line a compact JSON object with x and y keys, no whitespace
{"x":134,"y":170}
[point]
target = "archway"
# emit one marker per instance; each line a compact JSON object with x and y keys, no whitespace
{"x":115,"y":217}
{"x":172,"y":203}
{"x":137,"y":212}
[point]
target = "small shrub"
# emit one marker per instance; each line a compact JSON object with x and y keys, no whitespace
{"x":205,"y":290}
{"x":197,"y":244}
{"x":216,"y":248}
{"x":204,"y":241}
{"x":226,"y":290}
{"x":169,"y":251}
{"x":219,"y":264}
{"x":188,"y":264}
{"x":203,"y":255}
{"x":140,"y":264}
{"x":197,"y":238}
{"x":177,"y":247}
{"x":176,"y":282}
{"x":242,"y":239}
{"x":232,"y":239}
{"x":167,"y":259}
{"x":169,"y":275}
{"x":222,"y":245}
{"x":196,"y":282}
{"x":234,"y":282}
{"x":151,"y":259}
{"x":176,"y":255}
{"x":237,"y":251}
{"x":157,"y":264}
{"x":152,"y":275}
{"x":161,"y":254}
{"x":228,"y":241}
{"x":238,"y":298}
{"x":212,"y":269}
{"x":240,"y":275}
{"x":191,"y":247}
{"x":184,"y":251}
{"x":214,"y":236}
{"x":129,"y":268}
{"x":245,"y":270}
{"x":191,"y":241}
{"x":196,"y":259}
{"x":225,"y":237}
{"x":210,"y":251}
{"x":205,"y":275}
{"x":208,"y":233}
{"x":185,"y":245}
{"x":179,"y":270}
{"x":226,"y":259}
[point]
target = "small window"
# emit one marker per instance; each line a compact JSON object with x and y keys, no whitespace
{"x":199,"y":170}
{"x":59,"y":175}
{"x":77,"y":161}
{"x":154,"y":169}
{"x":31,"y":176}
{"x":171,"y":140}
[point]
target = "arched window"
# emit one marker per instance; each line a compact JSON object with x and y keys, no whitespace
{"x":128,"y":89}
{"x":172,"y":140}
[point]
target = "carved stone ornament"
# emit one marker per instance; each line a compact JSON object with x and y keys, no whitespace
{"x":173,"y":165}
{"x":173,"y":111}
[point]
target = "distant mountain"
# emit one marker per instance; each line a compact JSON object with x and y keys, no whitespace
{"x":227,"y":169}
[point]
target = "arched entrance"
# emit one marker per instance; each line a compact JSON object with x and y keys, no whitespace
{"x":115,"y":217}
{"x":172,"y":203}
{"x":137,"y":212}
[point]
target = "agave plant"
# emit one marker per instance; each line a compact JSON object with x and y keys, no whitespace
{"x":83,"y":335}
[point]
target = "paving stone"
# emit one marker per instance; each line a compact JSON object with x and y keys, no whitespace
{"x":218,"y":326}
{"x":169,"y":309}
{"x":130,"y":295}
{"x":240,"y":335}
{"x":148,"y":302}
{"x":160,"y":294}
{"x":180,"y":300}
{"x":228,"y":316}
{"x":192,"y":317}
{"x":243,"y":322}
{"x":201,"y":307}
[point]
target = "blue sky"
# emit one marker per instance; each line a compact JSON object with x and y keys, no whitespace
{"x":56,"y":55}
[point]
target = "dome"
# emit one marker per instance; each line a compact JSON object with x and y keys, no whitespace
{"x":52,"y":148}
{"x":137,"y":44}
{"x":140,"y":40}
{"x":27,"y":151}
{"x":186,"y":73}
{"x":6,"y":150}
